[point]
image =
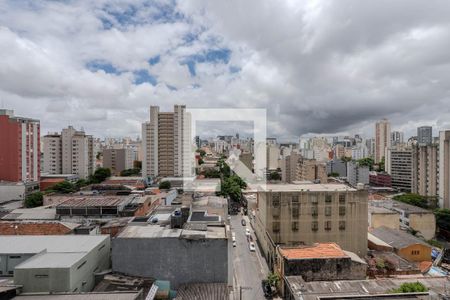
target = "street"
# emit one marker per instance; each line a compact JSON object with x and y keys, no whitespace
{"x":249,"y":267}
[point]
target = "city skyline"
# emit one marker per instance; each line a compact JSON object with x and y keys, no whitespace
{"x":120,"y":58}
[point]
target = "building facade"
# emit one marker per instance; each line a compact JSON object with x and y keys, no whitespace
{"x":382,"y":138}
{"x":425,"y":135}
{"x":396,"y":138}
{"x":357,"y":174}
{"x":166,"y":143}
{"x":444,"y":169}
{"x":399,"y":164}
{"x":425,"y":169}
{"x":118,"y":160}
{"x":20,"y":152}
{"x":303,"y":214}
{"x":71,"y":152}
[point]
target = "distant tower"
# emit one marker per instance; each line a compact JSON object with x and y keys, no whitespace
{"x":382,"y":138}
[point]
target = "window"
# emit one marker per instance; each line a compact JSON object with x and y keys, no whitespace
{"x":296,"y":211}
{"x":294,"y":226}
{"x":341,"y":225}
{"x":327,"y":211}
{"x":41,"y":276}
{"x":276,"y":226}
{"x":103,"y":246}
{"x":276,"y":201}
{"x":314,"y":210}
{"x":415,"y":252}
{"x":342,"y":210}
{"x":327,"y":198}
{"x":314,"y":226}
{"x":327,"y":225}
{"x":15,"y":256}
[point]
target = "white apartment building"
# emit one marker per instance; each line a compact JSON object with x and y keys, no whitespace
{"x":166,"y":143}
{"x":71,"y":152}
{"x":382,"y":138}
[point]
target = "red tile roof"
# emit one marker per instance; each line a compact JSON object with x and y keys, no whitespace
{"x":321,"y":250}
{"x":34,"y":228}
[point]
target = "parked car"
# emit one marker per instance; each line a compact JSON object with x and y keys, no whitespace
{"x":252,"y":247}
{"x":234,"y":244}
{"x":247,"y":231}
{"x":243,"y":222}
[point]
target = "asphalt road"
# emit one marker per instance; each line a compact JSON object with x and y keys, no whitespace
{"x":249,"y":267}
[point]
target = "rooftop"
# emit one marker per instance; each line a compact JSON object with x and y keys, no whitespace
{"x":304,"y":187}
{"x":157,"y":231}
{"x":31,"y":244}
{"x":33,"y":227}
{"x":381,"y":210}
{"x":315,"y":290}
{"x":104,"y":200}
{"x":203,"y":291}
{"x":82,"y":296}
{"x":52,"y":260}
{"x":396,"y":238}
{"x":38,"y":213}
{"x":409,"y":208}
{"x":320,"y":250}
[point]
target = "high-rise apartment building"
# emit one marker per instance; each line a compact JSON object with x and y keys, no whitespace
{"x":396,"y":138}
{"x":399,"y":164}
{"x":382,"y":139}
{"x":118,"y":160}
{"x":295,"y":167}
{"x":425,"y":135}
{"x":19,"y":148}
{"x":166,"y":143}
{"x":71,"y":152}
{"x":304,"y":214}
{"x":444,"y":169}
{"x":425,"y":169}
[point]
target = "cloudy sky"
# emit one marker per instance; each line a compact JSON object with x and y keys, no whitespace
{"x":316,"y":66}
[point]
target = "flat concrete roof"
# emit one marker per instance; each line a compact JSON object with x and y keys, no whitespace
{"x":305,"y":187}
{"x":52,"y":260}
{"x":31,"y":244}
{"x":156,"y":231}
{"x":82,"y":296}
{"x":381,"y":210}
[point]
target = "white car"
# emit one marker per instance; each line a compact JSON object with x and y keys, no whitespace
{"x":252,"y":247}
{"x":234,"y":244}
{"x":247,"y":231}
{"x":233,"y":238}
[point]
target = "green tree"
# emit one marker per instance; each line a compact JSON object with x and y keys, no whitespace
{"x":413,"y":199}
{"x":64,"y":187}
{"x":211,"y":173}
{"x":443,"y":218}
{"x":164,"y":185}
{"x":273,"y":279}
{"x":137,"y":164}
{"x":100,"y":175}
{"x":130,"y":172}
{"x":200,"y":161}
{"x":201,"y":152}
{"x":274,"y":176}
{"x":34,"y":200}
{"x":367,"y":162}
{"x":81,"y":183}
{"x":410,"y":287}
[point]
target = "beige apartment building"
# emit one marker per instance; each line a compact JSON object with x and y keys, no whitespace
{"x":303,"y":214}
{"x":425,"y":169}
{"x":444,"y":169}
{"x":118,"y":160}
{"x":295,"y":167}
{"x":166,"y":143}
{"x":399,"y":164}
{"x":382,"y":138}
{"x":71,"y":152}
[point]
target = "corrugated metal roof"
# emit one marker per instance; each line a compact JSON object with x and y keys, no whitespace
{"x":203,"y":291}
{"x":396,"y":238}
{"x":83,"y":201}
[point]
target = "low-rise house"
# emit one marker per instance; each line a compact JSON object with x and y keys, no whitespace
{"x":323,"y":261}
{"x":43,"y":264}
{"x":404,"y":244}
{"x":387,"y":263}
{"x":36,"y":227}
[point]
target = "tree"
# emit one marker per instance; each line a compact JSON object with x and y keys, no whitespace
{"x":443,"y":218}
{"x":100,"y":175}
{"x":64,"y":187}
{"x":333,"y":174}
{"x":413,"y":199}
{"x":80,"y":183}
{"x":273,"y":279}
{"x":200,"y":161}
{"x":164,"y":185}
{"x":381,"y":165}
{"x":346,"y":158}
{"x":211,"y":173}
{"x":34,"y":200}
{"x":201,"y":152}
{"x":130,"y":172}
{"x":274,"y":176}
{"x":410,"y":287}
{"x":137,"y":164}
{"x":366,"y":162}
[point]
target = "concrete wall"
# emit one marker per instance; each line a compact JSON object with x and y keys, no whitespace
{"x":388,"y":220}
{"x":12,"y":192}
{"x":9,"y":261}
{"x":424,"y":223}
{"x":43,"y":280}
{"x":416,"y":252}
{"x":178,"y":260}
